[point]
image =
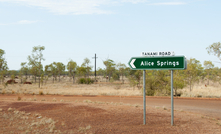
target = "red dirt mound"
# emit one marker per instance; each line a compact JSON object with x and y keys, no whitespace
{"x":11,"y":82}
{"x":27,"y":83}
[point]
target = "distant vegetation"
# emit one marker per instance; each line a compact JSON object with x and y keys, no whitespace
{"x":157,"y":81}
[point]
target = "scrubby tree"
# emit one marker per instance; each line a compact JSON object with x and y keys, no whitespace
{"x":215,"y":49}
{"x":100,"y":72}
{"x":121,"y":68}
{"x":47,"y":72}
{"x":13,"y":74}
{"x":81,"y":71}
{"x":157,"y":82}
{"x":110,"y":67}
{"x":208,"y":65}
{"x":116,"y":75}
{"x":35,"y":60}
{"x":60,"y":67}
{"x":178,"y":80}
{"x":3,"y":65}
{"x":127,"y":71}
{"x":216,"y":73}
{"x":24,"y":69}
{"x":193,"y":72}
{"x":135,"y":77}
{"x":86,"y":65}
{"x":51,"y":70}
{"x":34,"y":71}
{"x":72,"y":66}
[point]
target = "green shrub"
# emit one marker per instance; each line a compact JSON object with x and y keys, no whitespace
{"x":81,"y":81}
{"x":85,"y":81}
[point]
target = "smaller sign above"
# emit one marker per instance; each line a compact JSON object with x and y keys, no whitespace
{"x":167,"y":53}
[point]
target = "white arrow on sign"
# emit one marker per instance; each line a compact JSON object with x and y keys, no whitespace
{"x":132,"y":63}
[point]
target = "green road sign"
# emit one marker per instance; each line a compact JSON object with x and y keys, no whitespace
{"x":158,"y":63}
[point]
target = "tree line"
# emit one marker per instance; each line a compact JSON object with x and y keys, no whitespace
{"x":34,"y":67}
{"x":157,"y":81}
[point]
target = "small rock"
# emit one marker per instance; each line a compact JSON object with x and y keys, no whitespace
{"x":16,"y":112}
{"x":50,"y":131}
{"x":33,"y":124}
{"x":10,"y":109}
{"x":39,"y":117}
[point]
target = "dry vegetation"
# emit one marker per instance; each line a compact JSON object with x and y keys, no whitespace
{"x":66,"y":87}
{"x":25,"y":122}
{"x":200,"y":90}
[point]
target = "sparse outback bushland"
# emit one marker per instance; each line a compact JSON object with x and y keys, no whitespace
{"x":72,"y":69}
{"x":193,"y":72}
{"x":110,"y":67}
{"x":35,"y":61}
{"x":208,"y":66}
{"x":3,"y":66}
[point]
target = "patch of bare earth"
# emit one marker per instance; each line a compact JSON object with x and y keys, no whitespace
{"x":98,"y":118}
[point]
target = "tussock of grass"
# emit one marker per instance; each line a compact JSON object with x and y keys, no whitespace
{"x":54,"y":100}
{"x":87,"y":101}
{"x":41,"y":93}
{"x":84,"y":129}
{"x":3,"y":91}
{"x":19,"y":98}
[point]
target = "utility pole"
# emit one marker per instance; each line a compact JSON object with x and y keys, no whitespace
{"x":95,"y":66}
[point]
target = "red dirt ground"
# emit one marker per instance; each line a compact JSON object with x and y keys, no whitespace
{"x":81,"y":115}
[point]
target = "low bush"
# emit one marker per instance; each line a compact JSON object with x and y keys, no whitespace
{"x":19,"y":98}
{"x":81,"y":81}
{"x":41,"y":93}
{"x":85,"y":81}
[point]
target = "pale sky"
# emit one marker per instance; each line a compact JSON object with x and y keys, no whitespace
{"x":115,"y":29}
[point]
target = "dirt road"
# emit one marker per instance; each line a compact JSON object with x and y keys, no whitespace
{"x":106,"y":114}
{"x":210,"y":107}
{"x":206,"y":106}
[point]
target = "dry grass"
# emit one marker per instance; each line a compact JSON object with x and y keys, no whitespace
{"x":66,"y":87}
{"x":25,"y":122}
{"x":200,"y":90}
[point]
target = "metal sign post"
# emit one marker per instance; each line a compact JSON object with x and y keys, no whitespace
{"x":144,"y":97}
{"x":172,"y":112}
